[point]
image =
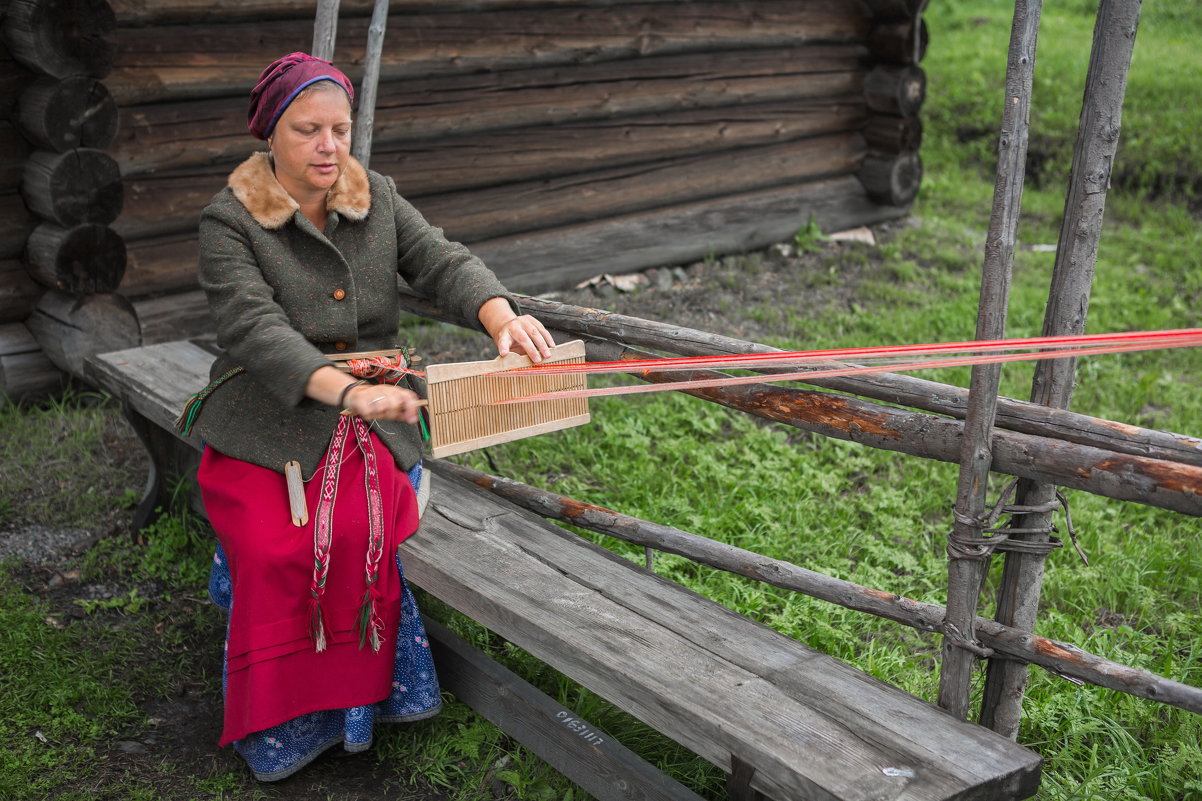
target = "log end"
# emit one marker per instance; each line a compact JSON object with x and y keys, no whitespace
{"x":891,"y":180}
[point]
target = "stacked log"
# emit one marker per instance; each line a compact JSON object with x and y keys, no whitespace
{"x":893,"y":92}
{"x":24,"y":369}
{"x":557,"y":138}
{"x":25,"y":372}
{"x":61,"y":262}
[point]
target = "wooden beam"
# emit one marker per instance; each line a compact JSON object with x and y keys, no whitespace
{"x":369,"y":87}
{"x":559,"y":257}
{"x":16,"y":224}
{"x":86,"y":259}
{"x":13,"y":78}
{"x":16,"y":148}
{"x":896,"y":90}
{"x":892,"y":180}
{"x":479,"y":214}
{"x":891,"y":134}
{"x":18,"y":292}
{"x":62,"y":114}
{"x":79,"y":186}
{"x":189,"y":133}
{"x":209,"y":60}
{"x":169,"y":201}
{"x":152,"y":12}
{"x":900,"y":41}
{"x":25,"y":372}
{"x":325,"y":30}
{"x":165,"y":264}
{"x":888,"y":10}
{"x":481,"y":160}
{"x":170,"y":317}
{"x":37,"y":37}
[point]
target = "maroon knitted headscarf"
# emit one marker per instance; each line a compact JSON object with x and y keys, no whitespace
{"x":279,"y":85}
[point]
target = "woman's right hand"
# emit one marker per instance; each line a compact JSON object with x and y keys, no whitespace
{"x":382,"y":402}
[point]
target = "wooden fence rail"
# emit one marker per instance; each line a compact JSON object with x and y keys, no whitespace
{"x":1058,"y":658}
{"x":906,"y":390}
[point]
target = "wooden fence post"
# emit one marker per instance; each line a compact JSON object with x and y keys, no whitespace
{"x":968,"y":549}
{"x":1072,"y":277}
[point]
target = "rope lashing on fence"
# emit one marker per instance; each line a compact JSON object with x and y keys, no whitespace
{"x":830,"y":363}
{"x":978,"y":546}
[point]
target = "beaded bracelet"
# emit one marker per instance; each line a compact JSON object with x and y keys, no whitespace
{"x":346,"y":390}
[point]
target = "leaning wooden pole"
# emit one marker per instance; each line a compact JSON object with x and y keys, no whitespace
{"x":366,"y":121}
{"x":1068,"y":302}
{"x":968,"y":548}
{"x":1060,"y":658}
{"x":325,"y":29}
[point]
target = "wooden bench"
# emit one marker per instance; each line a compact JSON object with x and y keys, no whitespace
{"x":784,"y":720}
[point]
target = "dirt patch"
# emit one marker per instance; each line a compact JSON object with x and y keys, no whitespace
{"x":760,"y":296}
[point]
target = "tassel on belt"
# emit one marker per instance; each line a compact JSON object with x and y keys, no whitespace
{"x":370,"y":624}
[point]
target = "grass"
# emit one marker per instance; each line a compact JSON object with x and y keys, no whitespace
{"x":67,"y":442}
{"x":77,"y":678}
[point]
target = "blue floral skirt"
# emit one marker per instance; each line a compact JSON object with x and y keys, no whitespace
{"x":282,"y":750}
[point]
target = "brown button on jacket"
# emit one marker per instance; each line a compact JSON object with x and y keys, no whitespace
{"x":272,"y":281}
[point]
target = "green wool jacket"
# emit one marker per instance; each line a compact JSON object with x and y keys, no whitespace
{"x":284,"y":294}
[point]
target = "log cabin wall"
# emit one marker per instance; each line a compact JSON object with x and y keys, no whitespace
{"x":559,"y":139}
{"x":60,"y":262}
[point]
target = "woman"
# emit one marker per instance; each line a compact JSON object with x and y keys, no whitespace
{"x":299,"y":259}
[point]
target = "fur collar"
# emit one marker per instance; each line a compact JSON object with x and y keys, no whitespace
{"x":255,"y":185}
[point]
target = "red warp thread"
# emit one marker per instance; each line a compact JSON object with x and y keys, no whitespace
{"x":1091,"y":345}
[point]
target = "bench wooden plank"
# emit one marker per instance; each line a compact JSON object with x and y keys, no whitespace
{"x":155,"y":380}
{"x":587,"y":755}
{"x":916,"y":732}
{"x":718,"y":683}
{"x":724,"y":686}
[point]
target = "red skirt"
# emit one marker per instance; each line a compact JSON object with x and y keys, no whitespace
{"x":273,"y":671}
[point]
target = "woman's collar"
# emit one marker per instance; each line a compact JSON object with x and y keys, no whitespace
{"x":254,"y":184}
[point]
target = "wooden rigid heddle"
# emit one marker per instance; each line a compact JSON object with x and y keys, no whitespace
{"x":461,"y":394}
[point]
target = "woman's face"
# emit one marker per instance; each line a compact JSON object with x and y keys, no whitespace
{"x":312,"y":142}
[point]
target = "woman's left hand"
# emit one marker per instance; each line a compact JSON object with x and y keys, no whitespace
{"x":525,"y":335}
{"x":511,"y":332}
